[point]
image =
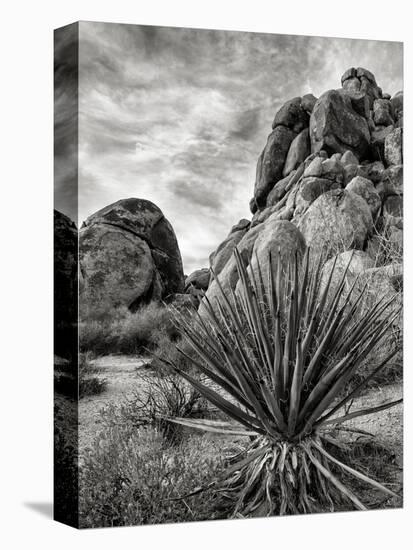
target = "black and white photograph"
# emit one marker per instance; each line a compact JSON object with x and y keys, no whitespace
{"x":228,"y":266}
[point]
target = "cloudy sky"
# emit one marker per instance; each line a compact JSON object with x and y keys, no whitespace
{"x":179,"y":116}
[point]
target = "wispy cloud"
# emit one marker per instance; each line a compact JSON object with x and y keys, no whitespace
{"x":179,"y":116}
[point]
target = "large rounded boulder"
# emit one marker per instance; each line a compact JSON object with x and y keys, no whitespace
{"x":292,"y":115}
{"x":361,"y":82}
{"x":299,"y":150}
{"x":338,"y":220}
{"x":382,"y":282}
{"x":219,"y":258}
{"x":271,"y":162}
{"x":350,"y":262}
{"x":366,"y":189}
{"x":336,"y":127}
{"x":393,"y":147}
{"x":280,"y":237}
{"x":129,"y":256}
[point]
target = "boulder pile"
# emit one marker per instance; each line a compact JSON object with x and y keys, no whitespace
{"x":331,"y":177}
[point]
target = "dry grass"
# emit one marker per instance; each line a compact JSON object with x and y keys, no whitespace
{"x":120,"y":331}
{"x":386,"y":250}
{"x":130,"y":477}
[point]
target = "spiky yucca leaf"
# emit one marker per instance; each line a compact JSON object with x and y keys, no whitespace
{"x":278,"y":354}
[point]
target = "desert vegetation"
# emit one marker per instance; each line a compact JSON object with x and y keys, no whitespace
{"x":107,"y":330}
{"x":131,"y":476}
{"x":273,"y":361}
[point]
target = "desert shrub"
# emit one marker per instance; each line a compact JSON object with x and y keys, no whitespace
{"x":124,"y":332}
{"x":281,"y":383}
{"x":96,"y":336}
{"x":144,"y":328}
{"x":159,"y":396}
{"x":65,"y":462}
{"x":89,"y":381}
{"x":129,"y":477}
{"x":99,"y":312}
{"x":96,"y":332}
{"x":165,"y":351}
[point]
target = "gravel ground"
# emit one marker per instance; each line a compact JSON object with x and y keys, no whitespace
{"x":121,"y":374}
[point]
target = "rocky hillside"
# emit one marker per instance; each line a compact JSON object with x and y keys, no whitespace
{"x":331,"y":177}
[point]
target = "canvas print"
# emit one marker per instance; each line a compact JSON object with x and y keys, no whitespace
{"x":228,"y":274}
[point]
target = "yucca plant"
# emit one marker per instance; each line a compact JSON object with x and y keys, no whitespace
{"x":276,"y":357}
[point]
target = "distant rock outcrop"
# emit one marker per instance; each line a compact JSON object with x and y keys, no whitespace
{"x":129,"y":256}
{"x":198,"y":279}
{"x":329,"y":177}
{"x":197,"y":283}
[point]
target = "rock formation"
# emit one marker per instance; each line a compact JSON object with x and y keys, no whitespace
{"x":199,"y":279}
{"x":277,"y":235}
{"x":331,"y":177}
{"x":128,"y":256}
{"x":65,"y":285}
{"x":195,"y":286}
{"x":337,"y":125}
{"x":222,"y":254}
